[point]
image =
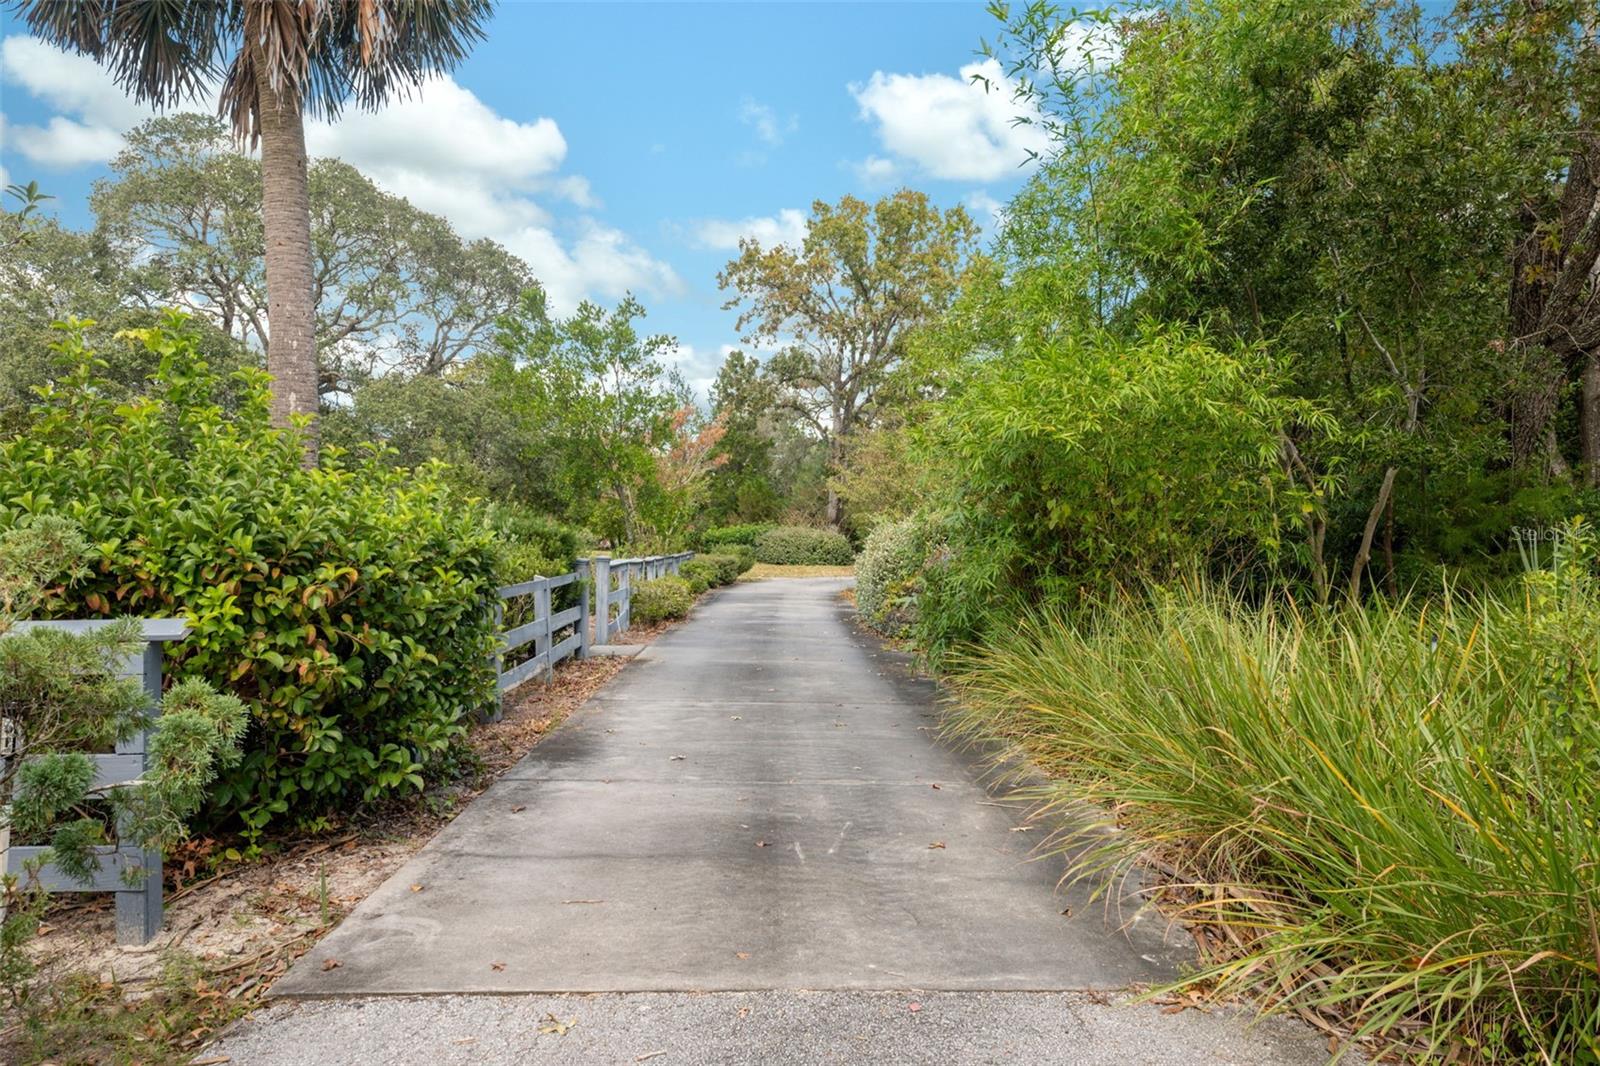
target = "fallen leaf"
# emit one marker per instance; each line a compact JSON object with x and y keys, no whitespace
{"x":677,"y":758}
{"x":497,"y":966}
{"x":215,"y":1060}
{"x":330,"y":964}
{"x":648,"y":1055}
{"x":933,"y":786}
{"x":936,"y":844}
{"x":914,"y":1008}
{"x":744,"y":1011}
{"x":467,"y":1040}
{"x":556,"y":1026}
{"x":742,"y":954}
{"x":519,"y":808}
{"x":583,"y":901}
{"x":762,"y":844}
{"x":1067,"y":911}
{"x":1022,"y":828}
{"x":735,"y":718}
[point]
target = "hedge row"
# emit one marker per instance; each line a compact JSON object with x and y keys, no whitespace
{"x":802,"y":546}
{"x":346,"y":605}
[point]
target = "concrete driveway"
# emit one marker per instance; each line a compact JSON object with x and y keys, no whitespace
{"x":757,"y":803}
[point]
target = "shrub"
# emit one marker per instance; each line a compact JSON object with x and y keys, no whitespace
{"x":801,"y":546}
{"x":64,"y":695}
{"x":727,"y":567}
{"x":1387,"y":813}
{"x":661,"y":599}
{"x":1089,"y":461}
{"x":348,"y":605}
{"x":889,"y":574}
{"x":532,"y":544}
{"x":742,"y":552}
{"x":747,"y":534}
{"x":700,"y":575}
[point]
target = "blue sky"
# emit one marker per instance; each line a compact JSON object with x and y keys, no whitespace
{"x":623,"y":146}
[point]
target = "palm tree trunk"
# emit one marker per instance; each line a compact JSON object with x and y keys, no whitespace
{"x":286,"y":221}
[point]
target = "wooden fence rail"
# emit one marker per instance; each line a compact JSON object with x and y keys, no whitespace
{"x":612,"y":582}
{"x":134,"y":874}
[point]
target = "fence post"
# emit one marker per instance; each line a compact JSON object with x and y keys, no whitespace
{"x":602,"y":599}
{"x":625,"y":597}
{"x":546,"y":639}
{"x":138,"y":905}
{"x":497,"y":657}
{"x":581,"y":568}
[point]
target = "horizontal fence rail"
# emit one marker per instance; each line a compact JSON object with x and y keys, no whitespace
{"x":133,"y":873}
{"x":612,"y":582}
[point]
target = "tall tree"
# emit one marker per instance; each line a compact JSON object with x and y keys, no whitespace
{"x":844,"y":302}
{"x":598,"y":396}
{"x":278,"y":60}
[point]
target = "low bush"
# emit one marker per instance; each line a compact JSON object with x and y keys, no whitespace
{"x":746,"y":534}
{"x":889,"y":574}
{"x":700,"y":575}
{"x":742,"y":552}
{"x":661,"y":599}
{"x":802,"y":546}
{"x":728,"y":570}
{"x":347,"y":606}
{"x":1390,"y":814}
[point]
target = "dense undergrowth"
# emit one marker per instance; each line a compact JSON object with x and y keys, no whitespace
{"x":1388,"y":813}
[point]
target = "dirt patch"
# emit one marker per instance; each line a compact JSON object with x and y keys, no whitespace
{"x":240,"y":928}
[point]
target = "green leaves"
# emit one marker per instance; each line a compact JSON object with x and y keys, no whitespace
{"x":343,"y":606}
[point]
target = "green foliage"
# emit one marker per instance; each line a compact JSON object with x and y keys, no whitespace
{"x":889,"y":574}
{"x":64,"y":697}
{"x":595,"y":397}
{"x":802,"y":546}
{"x":1089,"y":462}
{"x":659,"y":600}
{"x":346,"y":605}
{"x":746,"y":534}
{"x":700,"y":574}
{"x":1396,"y":804}
{"x":742,"y":552}
{"x":727,"y":566}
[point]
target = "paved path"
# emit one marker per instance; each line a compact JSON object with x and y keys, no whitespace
{"x":757,"y":802}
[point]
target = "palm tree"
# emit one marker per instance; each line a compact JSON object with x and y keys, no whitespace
{"x":278,"y":60}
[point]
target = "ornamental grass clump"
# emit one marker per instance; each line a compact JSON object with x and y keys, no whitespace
{"x":1387,"y":814}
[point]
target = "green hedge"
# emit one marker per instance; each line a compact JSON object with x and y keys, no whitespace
{"x":661,"y":599}
{"x":727,"y":567}
{"x":743,"y":552}
{"x":700,"y":575}
{"x":720,"y":536}
{"x":889,"y":574}
{"x":801,"y":546}
{"x":348,"y":605}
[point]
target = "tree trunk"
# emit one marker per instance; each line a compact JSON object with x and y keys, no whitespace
{"x":286,"y":223}
{"x":835,"y":464}
{"x":1590,"y":421}
{"x":1365,"y":551}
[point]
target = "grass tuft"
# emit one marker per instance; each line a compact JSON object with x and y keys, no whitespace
{"x":1385,"y":814}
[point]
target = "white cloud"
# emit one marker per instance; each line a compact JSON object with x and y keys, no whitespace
{"x":99,"y":111}
{"x":985,"y":210}
{"x":950,"y":127}
{"x":788,"y":226}
{"x":762,"y":118}
{"x":1085,"y":45}
{"x":876,"y":170}
{"x":442,"y":148}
